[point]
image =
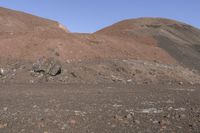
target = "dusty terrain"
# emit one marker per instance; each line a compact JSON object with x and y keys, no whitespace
{"x":138,"y":75}
{"x":104,"y":108}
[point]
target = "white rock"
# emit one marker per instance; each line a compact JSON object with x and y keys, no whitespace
{"x":5,"y":108}
{"x":2,"y":71}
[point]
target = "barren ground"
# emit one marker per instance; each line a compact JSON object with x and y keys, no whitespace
{"x":59,"y":108}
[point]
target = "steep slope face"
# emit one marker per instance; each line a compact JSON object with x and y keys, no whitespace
{"x":180,"y":40}
{"x":23,"y":35}
{"x":18,"y":22}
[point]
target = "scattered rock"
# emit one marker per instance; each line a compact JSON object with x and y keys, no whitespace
{"x":165,"y":122}
{"x":119,"y":118}
{"x":79,"y":113}
{"x":31,"y":81}
{"x":117,"y":105}
{"x":35,"y":106}
{"x":137,"y":121}
{"x":113,"y":126}
{"x":1,"y":72}
{"x":155,"y":122}
{"x":180,"y":109}
{"x":180,"y":83}
{"x":169,"y":101}
{"x":5,"y":109}
{"x":130,"y":115}
{"x":55,"y":70}
{"x":4,"y":125}
{"x":65,"y":126}
{"x":170,"y":108}
{"x":115,"y":78}
{"x":129,"y":80}
{"x":151,"y":110}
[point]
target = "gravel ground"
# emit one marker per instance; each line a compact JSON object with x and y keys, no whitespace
{"x":100,"y":108}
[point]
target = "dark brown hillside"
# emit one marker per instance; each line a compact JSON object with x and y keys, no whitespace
{"x":180,"y":40}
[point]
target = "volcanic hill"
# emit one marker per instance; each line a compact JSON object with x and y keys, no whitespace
{"x":157,"y":46}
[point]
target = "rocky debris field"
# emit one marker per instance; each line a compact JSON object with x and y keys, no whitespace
{"x":60,"y":108}
{"x":96,"y":71}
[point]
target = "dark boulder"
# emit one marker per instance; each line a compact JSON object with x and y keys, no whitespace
{"x":47,"y":66}
{"x":55,"y":69}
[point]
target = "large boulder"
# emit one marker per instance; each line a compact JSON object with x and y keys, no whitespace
{"x":47,"y":66}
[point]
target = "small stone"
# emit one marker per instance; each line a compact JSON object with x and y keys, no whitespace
{"x":31,"y":81}
{"x":180,"y":109}
{"x":113,"y":126}
{"x":155,"y":122}
{"x":35,"y":106}
{"x":129,"y":116}
{"x":170,"y":108}
{"x":130,"y":80}
{"x":180,"y":83}
{"x":164,"y":127}
{"x":55,"y":70}
{"x":117,"y":105}
{"x":1,"y":71}
{"x":5,"y":109}
{"x":68,"y":61}
{"x":64,"y":126}
{"x":118,"y":118}
{"x":3,"y":125}
{"x":183,"y":116}
{"x":169,"y":101}
{"x":137,"y":121}
{"x":165,"y":122}
{"x":190,"y":125}
{"x":45,"y":132}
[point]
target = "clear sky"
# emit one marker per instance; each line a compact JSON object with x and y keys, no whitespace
{"x":92,"y":15}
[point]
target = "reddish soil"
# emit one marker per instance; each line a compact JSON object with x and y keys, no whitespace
{"x":24,"y":36}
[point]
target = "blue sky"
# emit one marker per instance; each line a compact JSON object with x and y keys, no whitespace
{"x":92,"y":15}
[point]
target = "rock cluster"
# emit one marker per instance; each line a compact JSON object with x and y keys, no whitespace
{"x":47,"y":66}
